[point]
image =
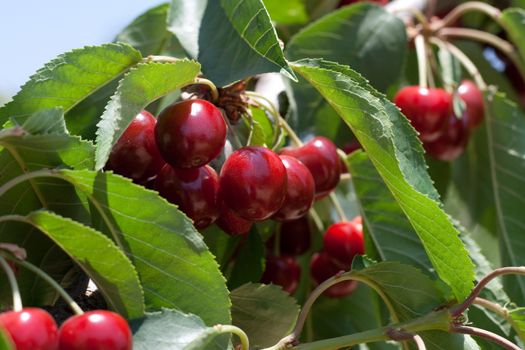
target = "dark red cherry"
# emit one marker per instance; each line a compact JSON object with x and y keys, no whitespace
{"x":283,"y":271}
{"x":31,"y":329}
{"x":299,"y":190}
{"x":344,"y":240}
{"x":135,"y":155}
{"x":427,"y":109}
{"x":232,"y":223}
{"x":295,"y":237}
{"x":322,"y":267}
{"x":195,"y":191}
{"x":95,"y":330}
{"x":321,"y":158}
{"x":473,"y":98}
{"x":452,"y":143}
{"x":190,"y":133}
{"x":253,"y":183}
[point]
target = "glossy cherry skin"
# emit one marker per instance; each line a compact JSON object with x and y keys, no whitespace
{"x":344,"y":240}
{"x":427,"y":109}
{"x":195,"y":191}
{"x":283,"y":271}
{"x":452,"y":143}
{"x":190,"y":133}
{"x":31,"y":329}
{"x":473,"y":98}
{"x":322,"y":267}
{"x":321,"y":158}
{"x":358,"y":221}
{"x":232,"y":223}
{"x":300,"y":190}
{"x":135,"y":155}
{"x":253,"y":183}
{"x":95,"y":330}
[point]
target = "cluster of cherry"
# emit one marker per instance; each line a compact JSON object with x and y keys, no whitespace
{"x":254,"y":183}
{"x":35,"y":329}
{"x":444,"y":134}
{"x":342,"y":241}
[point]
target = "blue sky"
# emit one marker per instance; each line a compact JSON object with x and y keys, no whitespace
{"x":33,"y":32}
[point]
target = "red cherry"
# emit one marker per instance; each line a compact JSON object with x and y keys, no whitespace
{"x":321,"y":158}
{"x":299,"y":190}
{"x":295,"y":236}
{"x":190,"y":133}
{"x":135,"y":155}
{"x":31,"y":329}
{"x":195,"y":191}
{"x":473,"y":98}
{"x":95,"y":330}
{"x":358,"y":221}
{"x":427,"y":109}
{"x":253,"y":183}
{"x":452,"y":143}
{"x":344,"y":240}
{"x":283,"y":271}
{"x":322,"y":268}
{"x":232,"y":223}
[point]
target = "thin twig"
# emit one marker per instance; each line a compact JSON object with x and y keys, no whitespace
{"x":15,"y":291}
{"x":419,"y":41}
{"x":470,"y":6}
{"x":511,"y":270}
{"x":463,"y":59}
{"x":482,"y":333}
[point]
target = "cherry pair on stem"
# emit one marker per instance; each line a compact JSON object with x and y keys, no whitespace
{"x":34,"y":329}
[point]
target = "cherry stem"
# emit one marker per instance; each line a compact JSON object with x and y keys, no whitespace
{"x":211,"y":85}
{"x":317,"y":219}
{"x":419,"y":41}
{"x":15,"y":291}
{"x":419,"y":342}
{"x":269,"y":107}
{"x":502,"y":45}
{"x":494,"y":307}
{"x":347,"y":276}
{"x":466,"y":7}
{"x":482,"y":333}
{"x":252,"y":125}
{"x":245,"y":343}
{"x":291,"y":133}
{"x":40,"y":273}
{"x":460,"y":308}
{"x":337,"y":206}
{"x":463,"y":59}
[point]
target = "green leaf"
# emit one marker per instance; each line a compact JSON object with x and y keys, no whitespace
{"x":69,"y":78}
{"x":397,"y":281}
{"x":140,"y":86}
{"x":393,"y":147}
{"x":174,"y":265}
{"x":293,"y":13}
{"x":171,"y":330}
{"x":46,"y":121}
{"x":147,"y":33}
{"x":249,"y":264}
{"x":513,"y":21}
{"x":265,"y":313}
{"x":517,"y":316}
{"x":210,"y":31}
{"x":98,"y":256}
{"x":364,"y":37}
{"x":359,"y":312}
{"x":6,"y":343}
{"x":252,"y":22}
{"x":391,"y":232}
{"x":20,"y":153}
{"x":506,"y":151}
